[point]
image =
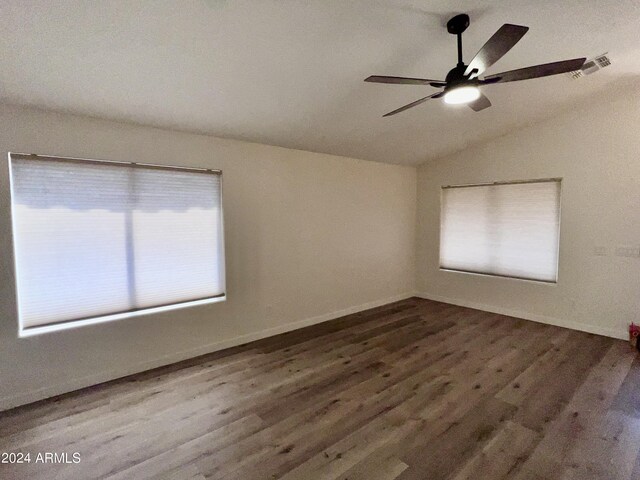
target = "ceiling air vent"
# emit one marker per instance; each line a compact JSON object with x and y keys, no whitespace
{"x":591,"y":66}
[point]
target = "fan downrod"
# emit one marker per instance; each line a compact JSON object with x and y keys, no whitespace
{"x":456,"y":26}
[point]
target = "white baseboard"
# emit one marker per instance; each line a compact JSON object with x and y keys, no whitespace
{"x":105,"y":376}
{"x":559,"y":322}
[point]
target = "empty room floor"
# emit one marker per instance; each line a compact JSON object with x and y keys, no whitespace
{"x":412,"y":390}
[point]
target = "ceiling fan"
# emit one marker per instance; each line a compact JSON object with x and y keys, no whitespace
{"x":462,"y":82}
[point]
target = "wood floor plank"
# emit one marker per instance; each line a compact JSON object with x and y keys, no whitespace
{"x":503,"y":456}
{"x":377,"y":466}
{"x":553,"y":392}
{"x":523,"y":386}
{"x":457,"y":443}
{"x":609,"y":453}
{"x":627,"y":400}
{"x":582,"y":417}
{"x":411,"y":390}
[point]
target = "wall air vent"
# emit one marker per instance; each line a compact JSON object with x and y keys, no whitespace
{"x":591,"y":66}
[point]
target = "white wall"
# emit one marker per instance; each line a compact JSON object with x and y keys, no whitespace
{"x":308,"y":237}
{"x":596,"y":150}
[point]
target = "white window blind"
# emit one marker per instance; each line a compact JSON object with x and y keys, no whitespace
{"x":509,"y":229}
{"x":103,"y":239}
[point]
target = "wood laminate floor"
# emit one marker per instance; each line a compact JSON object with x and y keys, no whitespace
{"x":412,"y":390}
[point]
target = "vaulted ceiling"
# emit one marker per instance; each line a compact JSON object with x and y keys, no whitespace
{"x":290,"y":72}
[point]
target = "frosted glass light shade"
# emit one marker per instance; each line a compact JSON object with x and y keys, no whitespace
{"x":461,"y":95}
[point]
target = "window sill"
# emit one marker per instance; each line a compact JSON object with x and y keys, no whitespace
{"x":30,"y":332}
{"x":491,"y":275}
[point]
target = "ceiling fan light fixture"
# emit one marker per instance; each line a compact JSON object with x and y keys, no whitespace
{"x":460,"y":95}
{"x":461,"y":83}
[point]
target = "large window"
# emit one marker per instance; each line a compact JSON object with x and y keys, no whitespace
{"x":97,"y":241}
{"x":506,"y":229}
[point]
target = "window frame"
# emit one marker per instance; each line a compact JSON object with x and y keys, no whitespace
{"x":79,"y":322}
{"x":559,"y":180}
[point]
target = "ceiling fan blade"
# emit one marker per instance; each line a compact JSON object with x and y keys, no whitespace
{"x":481,"y":103}
{"x":413,"y":104}
{"x":399,"y":80}
{"x":495,"y":48}
{"x":536,"y":71}
{"x":489,"y":81}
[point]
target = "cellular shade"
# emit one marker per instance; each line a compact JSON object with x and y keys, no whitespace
{"x":101,"y":238}
{"x":507,"y":229}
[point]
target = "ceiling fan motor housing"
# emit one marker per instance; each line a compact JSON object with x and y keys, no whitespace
{"x":456,"y":74}
{"x":456,"y":77}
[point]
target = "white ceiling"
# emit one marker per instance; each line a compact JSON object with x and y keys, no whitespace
{"x":289,"y":72}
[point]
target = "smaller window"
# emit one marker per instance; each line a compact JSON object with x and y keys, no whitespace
{"x":97,"y":241}
{"x":504,"y":229}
